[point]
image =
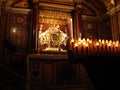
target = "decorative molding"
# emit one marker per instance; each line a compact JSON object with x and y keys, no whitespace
{"x":20,"y":19}
{"x":53,"y":21}
{"x":64,"y":2}
{"x":56,"y":6}
{"x":18,"y":10}
{"x":84,"y":17}
{"x":54,"y":14}
{"x":78,"y":1}
{"x":114,"y":9}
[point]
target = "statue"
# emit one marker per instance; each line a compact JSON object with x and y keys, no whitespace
{"x":53,"y":37}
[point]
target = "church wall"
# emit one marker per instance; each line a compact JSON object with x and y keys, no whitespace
{"x":16,"y":33}
{"x":91,"y":27}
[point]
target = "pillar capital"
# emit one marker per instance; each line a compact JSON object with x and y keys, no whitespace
{"x":36,"y":4}
{"x":78,"y":5}
{"x":78,"y":1}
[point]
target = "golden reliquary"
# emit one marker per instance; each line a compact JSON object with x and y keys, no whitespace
{"x":53,"y":39}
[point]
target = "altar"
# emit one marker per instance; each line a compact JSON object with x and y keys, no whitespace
{"x":53,"y":56}
{"x":55,"y":72}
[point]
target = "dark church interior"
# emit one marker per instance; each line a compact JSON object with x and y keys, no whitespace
{"x":59,"y":44}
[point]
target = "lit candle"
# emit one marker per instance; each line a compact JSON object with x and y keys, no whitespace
{"x":116,"y":49}
{"x":106,"y":47}
{"x":72,"y":44}
{"x":83,"y":46}
{"x":76,"y":48}
{"x":97,"y":48}
{"x":86,"y":49}
{"x":90,"y":49}
{"x":80,"y":46}
{"x":112,"y":49}
{"x":103,"y":47}
{"x":109,"y":48}
{"x":94,"y":46}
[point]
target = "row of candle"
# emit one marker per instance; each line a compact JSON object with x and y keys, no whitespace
{"x":95,"y":47}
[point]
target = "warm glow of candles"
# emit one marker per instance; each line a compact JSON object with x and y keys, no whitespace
{"x":72,"y":40}
{"x":116,"y":45}
{"x":86,"y":49}
{"x":106,"y":41}
{"x":76,"y":44}
{"x":103,"y":41}
{"x":99,"y":40}
{"x":88,"y":40}
{"x":95,"y":47}
{"x":79,"y":43}
{"x":72,"y":44}
{"x":117,"y":41}
{"x":86,"y":45}
{"x":14,"y":30}
{"x":79,"y":39}
{"x":76,"y":48}
{"x":97,"y":44}
{"x":113,"y":42}
{"x":110,"y":41}
{"x":109,"y":44}
{"x":83,"y":39}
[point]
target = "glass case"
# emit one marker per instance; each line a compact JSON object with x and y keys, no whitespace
{"x":55,"y":29}
{"x":52,"y":39}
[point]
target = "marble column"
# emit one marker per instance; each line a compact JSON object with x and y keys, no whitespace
{"x":77,"y":21}
{"x":35,"y":26}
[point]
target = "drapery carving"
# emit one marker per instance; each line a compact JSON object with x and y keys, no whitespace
{"x":53,"y":21}
{"x":54,"y":14}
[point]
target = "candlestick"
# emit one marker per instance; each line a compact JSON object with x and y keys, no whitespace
{"x":80,"y":49}
{"x":90,"y":49}
{"x":76,"y":48}
{"x":72,"y":44}
{"x":86,"y":49}
{"x":97,"y":48}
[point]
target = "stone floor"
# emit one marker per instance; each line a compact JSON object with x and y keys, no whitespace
{"x":12,"y":77}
